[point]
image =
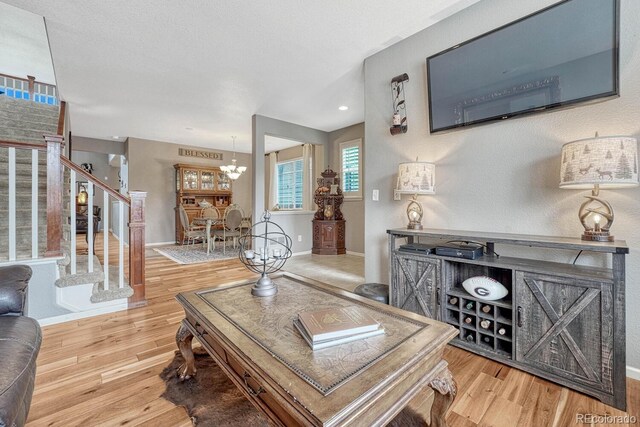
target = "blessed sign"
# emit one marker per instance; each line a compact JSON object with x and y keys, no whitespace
{"x":200,"y":153}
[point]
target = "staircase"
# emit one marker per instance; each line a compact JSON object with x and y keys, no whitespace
{"x":82,"y":282}
{"x":24,"y":122}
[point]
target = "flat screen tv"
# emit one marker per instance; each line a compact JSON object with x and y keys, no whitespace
{"x":557,"y":57}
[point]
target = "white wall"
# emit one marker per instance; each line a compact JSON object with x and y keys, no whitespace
{"x":500,"y":177}
{"x":24,"y":45}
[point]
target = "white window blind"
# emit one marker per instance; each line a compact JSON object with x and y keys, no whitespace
{"x":351,"y":167}
{"x":290,"y":184}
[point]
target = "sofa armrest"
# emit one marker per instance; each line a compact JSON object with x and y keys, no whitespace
{"x":13,"y":288}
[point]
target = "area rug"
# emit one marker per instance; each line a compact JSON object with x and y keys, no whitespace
{"x":194,"y":254}
{"x":211,"y":399}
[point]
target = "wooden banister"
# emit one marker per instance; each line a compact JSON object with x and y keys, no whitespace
{"x":55,"y":144}
{"x":24,"y":145}
{"x":97,"y":182}
{"x":136,"y":248}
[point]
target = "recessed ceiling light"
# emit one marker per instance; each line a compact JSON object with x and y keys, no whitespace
{"x":115,"y":137}
{"x":343,"y":108}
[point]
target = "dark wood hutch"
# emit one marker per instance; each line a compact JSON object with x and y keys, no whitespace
{"x":328,"y":221}
{"x":198,"y":183}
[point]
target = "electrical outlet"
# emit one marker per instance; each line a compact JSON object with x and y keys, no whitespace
{"x":299,"y":237}
{"x":375,"y":196}
{"x":397,"y":195}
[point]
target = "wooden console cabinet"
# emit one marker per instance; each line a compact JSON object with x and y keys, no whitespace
{"x":328,"y":237}
{"x":195,"y":183}
{"x":560,"y":321}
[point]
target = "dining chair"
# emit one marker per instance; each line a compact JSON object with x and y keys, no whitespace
{"x":191,"y":232}
{"x":230,"y":226}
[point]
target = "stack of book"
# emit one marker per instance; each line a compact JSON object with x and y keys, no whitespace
{"x":334,"y":326}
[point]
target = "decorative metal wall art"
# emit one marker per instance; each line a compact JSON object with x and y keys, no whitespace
{"x":399,"y":118}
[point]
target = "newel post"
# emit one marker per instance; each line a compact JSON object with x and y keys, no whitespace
{"x":136,"y":247}
{"x":32,"y":87}
{"x":55,"y":144}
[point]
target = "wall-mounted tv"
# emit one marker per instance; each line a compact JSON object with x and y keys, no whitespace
{"x":557,"y":57}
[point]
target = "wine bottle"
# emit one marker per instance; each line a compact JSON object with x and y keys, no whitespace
{"x":485,"y":324}
{"x":470,"y":337}
{"x":469,"y":305}
{"x":502,"y":331}
{"x":453,"y":301}
{"x":468,"y":320}
{"x":486,"y":339}
{"x":486,"y":308}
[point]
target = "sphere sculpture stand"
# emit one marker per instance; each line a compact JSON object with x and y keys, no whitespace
{"x":264,"y":249}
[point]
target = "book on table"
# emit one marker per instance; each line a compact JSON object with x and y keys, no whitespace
{"x":324,"y":325}
{"x":317,"y":345}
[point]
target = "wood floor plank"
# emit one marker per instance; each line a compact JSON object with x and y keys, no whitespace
{"x":515,"y":386}
{"x":475,"y":401}
{"x":501,"y":413}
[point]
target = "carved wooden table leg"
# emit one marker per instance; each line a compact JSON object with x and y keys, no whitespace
{"x":183,"y":339}
{"x":445,"y":392}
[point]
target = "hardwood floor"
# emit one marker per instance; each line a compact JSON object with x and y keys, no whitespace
{"x":103,"y":371}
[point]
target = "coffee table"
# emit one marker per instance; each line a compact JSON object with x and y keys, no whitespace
{"x":362,"y":383}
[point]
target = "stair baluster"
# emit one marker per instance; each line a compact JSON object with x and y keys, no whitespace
{"x":12,"y":204}
{"x":105,"y":234}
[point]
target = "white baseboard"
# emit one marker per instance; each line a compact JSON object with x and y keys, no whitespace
{"x":301,"y":253}
{"x":355,"y":253}
{"x":82,"y":314}
{"x":149,"y":245}
{"x":633,"y":373}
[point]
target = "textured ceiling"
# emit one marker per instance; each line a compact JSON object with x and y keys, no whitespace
{"x":195,"y":72}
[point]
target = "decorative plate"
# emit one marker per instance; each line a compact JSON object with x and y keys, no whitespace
{"x":485,"y":288}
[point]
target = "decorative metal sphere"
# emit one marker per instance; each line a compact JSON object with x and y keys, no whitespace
{"x":264,"y":249}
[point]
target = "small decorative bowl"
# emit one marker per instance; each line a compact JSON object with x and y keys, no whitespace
{"x":204,"y":204}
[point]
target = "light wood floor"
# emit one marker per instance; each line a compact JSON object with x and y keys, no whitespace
{"x":104,"y":371}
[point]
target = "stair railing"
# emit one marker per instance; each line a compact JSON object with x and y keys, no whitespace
{"x":28,"y":89}
{"x":136,"y":224}
{"x":56,"y":162}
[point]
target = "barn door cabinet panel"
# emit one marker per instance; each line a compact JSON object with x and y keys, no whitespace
{"x":415,"y":280}
{"x":565,"y":329}
{"x":560,"y":321}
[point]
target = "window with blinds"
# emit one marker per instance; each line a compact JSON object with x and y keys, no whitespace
{"x":351,"y":168}
{"x":290,"y":184}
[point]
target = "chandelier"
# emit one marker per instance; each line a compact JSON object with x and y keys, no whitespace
{"x":233,"y":171}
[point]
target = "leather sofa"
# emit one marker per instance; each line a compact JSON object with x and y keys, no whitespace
{"x":20,"y":339}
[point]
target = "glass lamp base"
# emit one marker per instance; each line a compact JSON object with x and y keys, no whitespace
{"x":597,"y":236}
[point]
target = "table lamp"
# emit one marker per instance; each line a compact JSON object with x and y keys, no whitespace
{"x":594,"y":163}
{"x":415,"y":178}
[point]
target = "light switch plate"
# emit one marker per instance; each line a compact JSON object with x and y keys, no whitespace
{"x":375,"y":196}
{"x":397,"y":195}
